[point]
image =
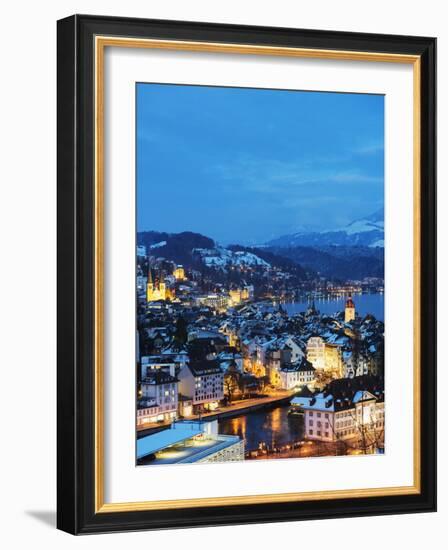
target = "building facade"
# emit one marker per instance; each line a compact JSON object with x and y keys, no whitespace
{"x":218,"y":302}
{"x":189,"y":442}
{"x":202,"y":382}
{"x":315,"y":352}
{"x":159,"y":397}
{"x":359,"y":417}
{"x":158,"y":291}
{"x":325,"y":356}
{"x":179,"y":273}
{"x":296,"y":375}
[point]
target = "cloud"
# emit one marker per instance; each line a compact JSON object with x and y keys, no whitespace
{"x":370,"y":149}
{"x":273,"y":176}
{"x":355,"y":176}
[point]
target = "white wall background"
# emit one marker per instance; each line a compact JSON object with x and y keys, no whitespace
{"x":27,"y":273}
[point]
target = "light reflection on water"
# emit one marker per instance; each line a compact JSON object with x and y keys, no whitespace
{"x":272,"y":427}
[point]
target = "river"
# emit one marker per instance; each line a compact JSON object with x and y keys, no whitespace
{"x":272,"y":427}
{"x":364,"y":303}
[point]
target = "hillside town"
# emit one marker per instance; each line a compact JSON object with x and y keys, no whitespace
{"x":213,"y":349}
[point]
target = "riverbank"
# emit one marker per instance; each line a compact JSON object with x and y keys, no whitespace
{"x":238,"y":408}
{"x":308,"y":448}
{"x":247,"y":406}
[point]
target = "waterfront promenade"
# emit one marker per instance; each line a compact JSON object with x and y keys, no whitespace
{"x":236,"y":408}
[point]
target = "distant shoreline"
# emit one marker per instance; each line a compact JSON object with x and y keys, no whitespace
{"x":365,"y":303}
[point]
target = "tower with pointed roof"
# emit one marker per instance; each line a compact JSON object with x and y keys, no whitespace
{"x":350,"y":310}
{"x":149,"y":286}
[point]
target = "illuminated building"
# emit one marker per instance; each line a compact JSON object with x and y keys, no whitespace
{"x":156,"y":292}
{"x":214,"y":301}
{"x":235,"y":296}
{"x":315,"y":352}
{"x":294,"y":375}
{"x":244,"y":294}
{"x":190,"y":441}
{"x":332,"y":417}
{"x":349,"y":310}
{"x":150,"y":412}
{"x":185,"y":406}
{"x":333,"y":360}
{"x":231,"y":334}
{"x":325,"y":356}
{"x":256,"y":368}
{"x":159,"y":397}
{"x":179,"y":273}
{"x":239,"y":295}
{"x":151,"y":363}
{"x":203,"y":382}
{"x":282,"y":351}
{"x":274,"y":376}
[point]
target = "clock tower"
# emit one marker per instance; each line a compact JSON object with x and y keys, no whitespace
{"x":350,"y":310}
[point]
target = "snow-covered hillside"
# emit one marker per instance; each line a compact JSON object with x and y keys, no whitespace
{"x":161,"y":244}
{"x":221,"y":257}
{"x":363,"y":226}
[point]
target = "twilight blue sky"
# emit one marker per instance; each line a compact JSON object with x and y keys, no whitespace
{"x":247,"y":165}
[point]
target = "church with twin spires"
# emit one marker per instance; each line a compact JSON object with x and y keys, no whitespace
{"x":157,"y":291}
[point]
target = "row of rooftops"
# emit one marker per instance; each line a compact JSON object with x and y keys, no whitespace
{"x":208,"y":332}
{"x":342,"y":394}
{"x":199,"y":366}
{"x":209,"y":367}
{"x":202,"y":347}
{"x":157,"y":377}
{"x":204,"y":367}
{"x":228,"y":354}
{"x":220,"y":365}
{"x":320,"y":402}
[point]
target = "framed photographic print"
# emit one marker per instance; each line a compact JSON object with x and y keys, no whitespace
{"x":246,"y":266}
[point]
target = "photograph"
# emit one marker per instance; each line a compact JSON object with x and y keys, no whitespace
{"x":259,"y":267}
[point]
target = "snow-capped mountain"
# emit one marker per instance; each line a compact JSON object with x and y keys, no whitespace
{"x":367,"y":231}
{"x":374,"y":222}
{"x":220,"y":257}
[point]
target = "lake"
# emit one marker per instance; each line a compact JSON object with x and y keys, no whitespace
{"x":364,"y":303}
